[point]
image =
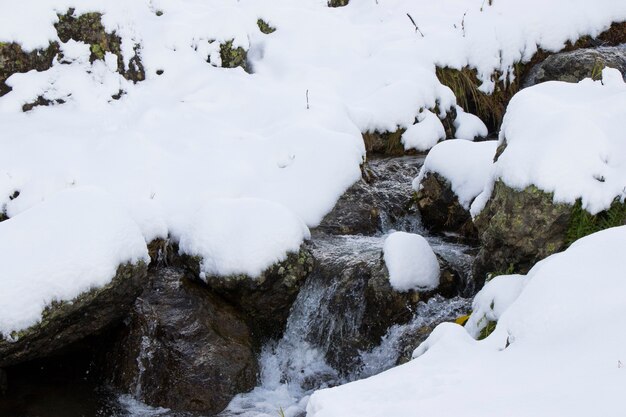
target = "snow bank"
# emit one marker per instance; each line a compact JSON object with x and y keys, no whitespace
{"x":242,"y":236}
{"x":411,"y":262}
{"x":289,"y":133}
{"x":69,"y":244}
{"x":567,"y":139}
{"x":466,"y":165}
{"x":558,"y":350}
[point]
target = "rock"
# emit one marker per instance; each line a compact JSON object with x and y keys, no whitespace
{"x":577,"y":65}
{"x":381,"y":198}
{"x":359,"y":304}
{"x":519,"y":228}
{"x":233,"y":57}
{"x":13,"y":60}
{"x":383,"y":143}
{"x":88,"y":28}
{"x":66,"y":322}
{"x":265,"y":300}
{"x":183,"y":348}
{"x":338,"y":3}
{"x":440,"y":208}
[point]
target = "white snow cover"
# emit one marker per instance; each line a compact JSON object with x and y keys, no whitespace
{"x":567,"y":139}
{"x":466,"y":165}
{"x":69,"y":244}
{"x":290,"y":133}
{"x":424,"y":134}
{"x":411,"y":262}
{"x":493,"y":300}
{"x":468,"y":126}
{"x":558,"y":350}
{"x":242,"y":236}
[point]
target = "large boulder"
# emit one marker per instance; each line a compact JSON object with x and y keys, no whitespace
{"x":66,"y":322}
{"x":264,"y":300}
{"x":577,"y":65}
{"x":519,"y":228}
{"x":182,"y":347}
{"x":440,"y":208}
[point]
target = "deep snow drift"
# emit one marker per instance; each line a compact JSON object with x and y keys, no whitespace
{"x":557,"y":349}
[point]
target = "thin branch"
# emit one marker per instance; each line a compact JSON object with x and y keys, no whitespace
{"x":417,"y":29}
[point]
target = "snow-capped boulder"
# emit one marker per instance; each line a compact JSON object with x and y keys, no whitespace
{"x":577,"y":65}
{"x":69,"y":267}
{"x":453,"y":174}
{"x":559,"y":173}
{"x":183,"y":348}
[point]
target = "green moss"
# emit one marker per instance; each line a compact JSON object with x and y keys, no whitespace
{"x":487,"y":330}
{"x":583,"y":223}
{"x":508,"y":271}
{"x":233,"y":57}
{"x":265,"y":27}
{"x":97,"y":51}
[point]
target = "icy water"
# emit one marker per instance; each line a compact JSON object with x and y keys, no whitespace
{"x":291,"y":368}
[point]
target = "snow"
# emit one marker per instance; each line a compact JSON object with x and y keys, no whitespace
{"x":67,"y":245}
{"x":466,"y":165}
{"x":468,"y":126}
{"x":567,"y":139}
{"x":424,"y":134}
{"x":232,"y":241}
{"x":411,"y":262}
{"x":493,"y":300}
{"x":557,"y":350}
{"x":174,"y":147}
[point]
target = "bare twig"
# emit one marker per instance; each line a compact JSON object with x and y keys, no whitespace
{"x":307,"y":99}
{"x":417,"y":29}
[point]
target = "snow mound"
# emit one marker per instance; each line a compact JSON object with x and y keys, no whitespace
{"x":242,"y":236}
{"x":567,"y":139}
{"x":468,"y":126}
{"x":466,"y":165}
{"x":425,"y":133}
{"x":493,"y":300}
{"x":411,"y":262}
{"x":558,"y":349}
{"x":65,"y":246}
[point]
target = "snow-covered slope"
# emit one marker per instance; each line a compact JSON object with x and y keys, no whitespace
{"x":289,"y":133}
{"x":558,"y":350}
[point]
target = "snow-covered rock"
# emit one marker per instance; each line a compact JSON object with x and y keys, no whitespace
{"x":561,"y":143}
{"x":68,"y":267}
{"x":556,"y":350}
{"x":453,"y":174}
{"x":411,"y":262}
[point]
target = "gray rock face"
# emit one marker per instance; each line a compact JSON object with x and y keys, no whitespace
{"x":518,"y":229}
{"x":440,"y":208}
{"x":382,"y":197}
{"x":265,"y":300}
{"x":66,"y":322}
{"x":578,"y":65}
{"x":183,"y":348}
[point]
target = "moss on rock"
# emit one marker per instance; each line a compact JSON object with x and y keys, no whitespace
{"x":14,"y":59}
{"x":65,"y":322}
{"x":233,"y":57}
{"x":265,"y":27}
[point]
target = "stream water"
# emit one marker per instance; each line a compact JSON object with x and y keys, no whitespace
{"x":297,"y":364}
